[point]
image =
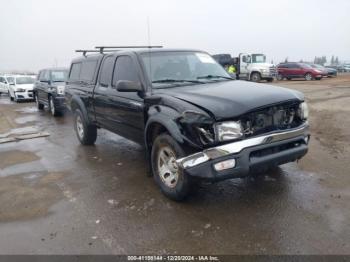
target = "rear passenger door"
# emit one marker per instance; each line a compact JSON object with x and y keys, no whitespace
{"x":121,"y":112}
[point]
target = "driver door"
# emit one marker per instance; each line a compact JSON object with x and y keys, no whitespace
{"x":244,"y":62}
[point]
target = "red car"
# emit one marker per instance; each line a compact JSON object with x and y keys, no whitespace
{"x":298,"y":70}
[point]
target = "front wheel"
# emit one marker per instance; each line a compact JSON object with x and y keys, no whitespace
{"x":308,"y":77}
{"x":280,"y":77}
{"x":173,"y":182}
{"x":255,"y":77}
{"x":86,"y":133}
{"x":38,"y":104}
{"x":53,"y":109}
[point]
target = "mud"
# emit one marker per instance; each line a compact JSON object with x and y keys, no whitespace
{"x":58,"y":197}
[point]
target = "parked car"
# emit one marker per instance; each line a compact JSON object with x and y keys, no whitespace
{"x":298,"y":70}
{"x":49,"y":90}
{"x":326,"y":72}
{"x":346,"y":67}
{"x":4,"y":85}
{"x":194,"y":120}
{"x":20,"y":87}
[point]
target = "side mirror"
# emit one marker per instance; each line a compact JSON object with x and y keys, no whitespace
{"x":128,"y":86}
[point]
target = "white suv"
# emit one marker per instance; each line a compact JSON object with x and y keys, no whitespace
{"x":4,"y":85}
{"x":20,"y":87}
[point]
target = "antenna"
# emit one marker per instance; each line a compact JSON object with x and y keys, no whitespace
{"x":149,"y":50}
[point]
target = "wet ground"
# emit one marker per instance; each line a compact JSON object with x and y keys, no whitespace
{"x":58,"y":197}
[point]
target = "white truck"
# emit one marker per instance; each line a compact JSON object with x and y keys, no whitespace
{"x":251,"y":67}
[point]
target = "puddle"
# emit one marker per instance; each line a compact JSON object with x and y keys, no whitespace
{"x":23,"y":200}
{"x":15,"y":157}
{"x":26,"y":119}
{"x":28,"y":110}
{"x":20,"y":131}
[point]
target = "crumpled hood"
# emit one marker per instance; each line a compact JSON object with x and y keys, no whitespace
{"x":229,"y":99}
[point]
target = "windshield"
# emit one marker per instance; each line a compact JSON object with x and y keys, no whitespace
{"x":317,"y":66}
{"x":10,"y":80}
{"x":174,"y":68}
{"x":258,"y":58}
{"x":24,"y":80}
{"x":59,"y":76}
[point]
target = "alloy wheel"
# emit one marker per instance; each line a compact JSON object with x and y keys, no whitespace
{"x":80,"y":127}
{"x":167,"y":167}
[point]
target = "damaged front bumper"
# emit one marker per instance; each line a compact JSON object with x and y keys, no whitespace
{"x":248,"y":155}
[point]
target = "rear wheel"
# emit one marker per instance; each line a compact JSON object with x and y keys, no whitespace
{"x":308,"y":77}
{"x":38,"y":104}
{"x":269,"y":80}
{"x":289,"y":78}
{"x":53,"y":109}
{"x":173,"y":182}
{"x":255,"y":77}
{"x":86,"y":133}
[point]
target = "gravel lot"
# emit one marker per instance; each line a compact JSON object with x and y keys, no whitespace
{"x":58,"y":197}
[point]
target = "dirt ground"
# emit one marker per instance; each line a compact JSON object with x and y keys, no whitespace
{"x":58,"y":197}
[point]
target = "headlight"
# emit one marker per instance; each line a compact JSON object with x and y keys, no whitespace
{"x":60,"y":90}
{"x":20,"y":90}
{"x":228,"y":130}
{"x":303,"y":111}
{"x":318,"y":71}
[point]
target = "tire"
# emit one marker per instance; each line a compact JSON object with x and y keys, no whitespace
{"x":270,"y":80}
{"x":255,"y":77}
{"x":85,"y":132}
{"x":280,"y":77}
{"x":173,"y":182}
{"x":38,"y":104}
{"x":53,"y":110}
{"x":11,"y":98}
{"x":289,"y":78}
{"x":308,"y":77}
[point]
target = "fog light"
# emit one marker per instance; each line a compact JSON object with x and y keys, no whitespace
{"x":225,"y":165}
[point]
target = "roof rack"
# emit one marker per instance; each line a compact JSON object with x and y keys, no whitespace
{"x":92,"y":51}
{"x":102,"y":48}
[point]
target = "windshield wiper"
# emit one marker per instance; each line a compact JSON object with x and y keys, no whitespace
{"x":169,"y":80}
{"x":214,"y":76}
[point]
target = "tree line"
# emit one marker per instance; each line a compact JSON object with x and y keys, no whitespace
{"x":321,"y":60}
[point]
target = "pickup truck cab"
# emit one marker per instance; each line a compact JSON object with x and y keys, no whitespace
{"x":194,"y":120}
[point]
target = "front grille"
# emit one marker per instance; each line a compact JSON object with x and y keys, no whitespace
{"x":274,"y":118}
{"x":272,"y":70}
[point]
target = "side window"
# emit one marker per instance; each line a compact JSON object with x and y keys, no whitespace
{"x":47,"y":75}
{"x":294,"y":66}
{"x":2,"y":80}
{"x":88,"y":70}
{"x":124,"y":70}
{"x":107,"y":71}
{"x":75,"y":71}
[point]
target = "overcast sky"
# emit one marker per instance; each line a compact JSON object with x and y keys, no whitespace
{"x":42,"y":33}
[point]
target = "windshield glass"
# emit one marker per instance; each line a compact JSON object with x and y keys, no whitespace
{"x":306,"y":66}
{"x":174,"y":68}
{"x":259,"y":58}
{"x":10,"y":80}
{"x":59,"y":76}
{"x":24,"y":80}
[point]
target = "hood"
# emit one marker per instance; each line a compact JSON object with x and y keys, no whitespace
{"x":25,"y":86}
{"x":229,"y":99}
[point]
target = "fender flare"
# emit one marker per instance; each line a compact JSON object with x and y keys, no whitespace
{"x":168,"y":123}
{"x":79,"y":105}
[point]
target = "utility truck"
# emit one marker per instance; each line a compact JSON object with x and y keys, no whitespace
{"x":251,"y":67}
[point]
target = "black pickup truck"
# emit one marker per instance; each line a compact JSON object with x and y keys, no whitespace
{"x":194,"y":120}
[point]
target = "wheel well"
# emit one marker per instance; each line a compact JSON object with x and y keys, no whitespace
{"x":153,"y":131}
{"x":250,"y":76}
